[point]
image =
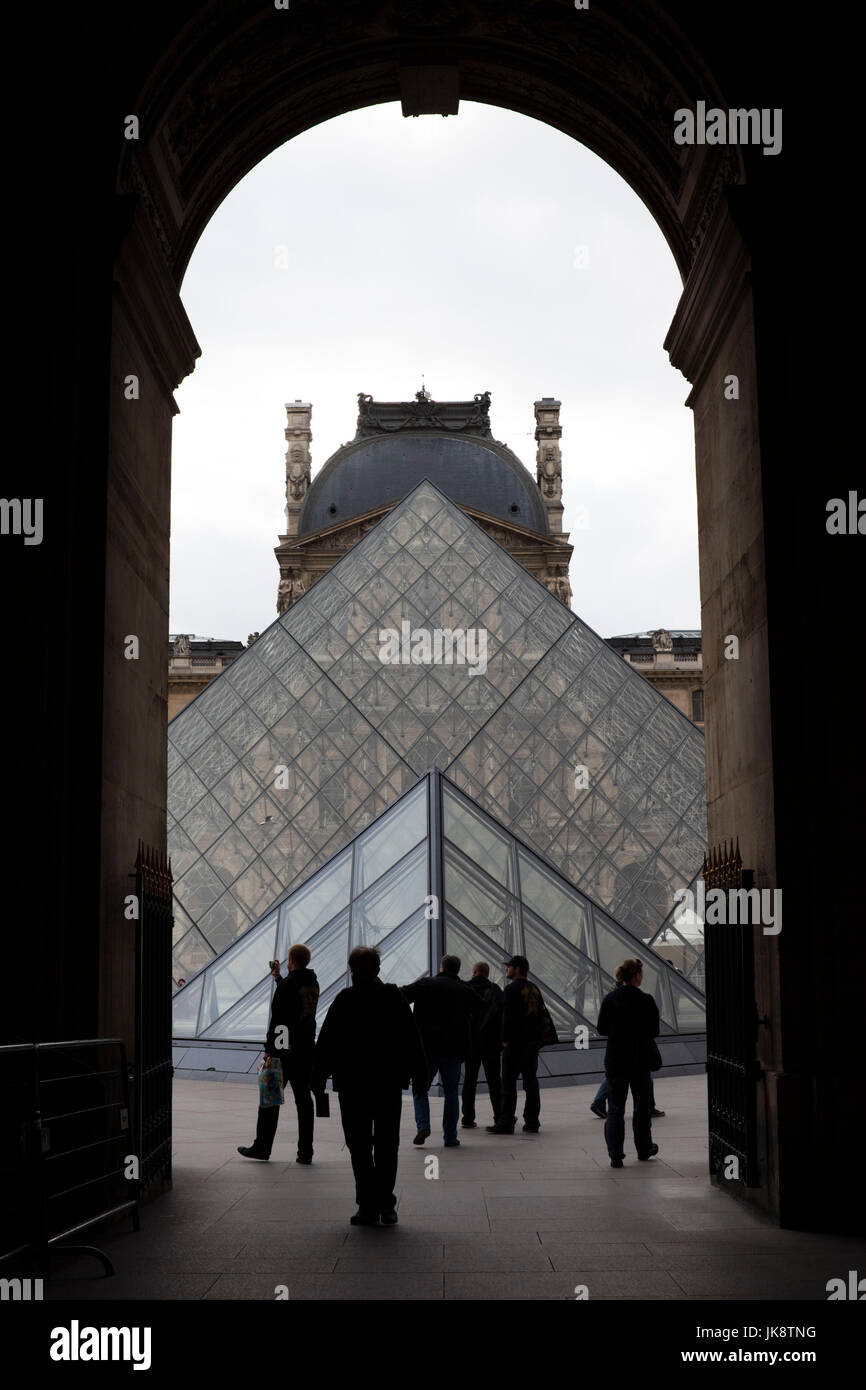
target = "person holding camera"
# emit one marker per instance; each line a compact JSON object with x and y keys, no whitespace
{"x":291,"y":1040}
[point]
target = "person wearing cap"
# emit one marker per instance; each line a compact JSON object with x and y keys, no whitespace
{"x":522,"y":1013}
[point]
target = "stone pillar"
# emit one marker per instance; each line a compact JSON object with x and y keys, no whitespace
{"x":548,"y":433}
{"x":711,"y":338}
{"x":152,"y":349}
{"x":298,"y":461}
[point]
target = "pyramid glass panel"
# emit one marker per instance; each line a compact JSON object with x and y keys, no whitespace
{"x":481,"y":902}
{"x":392,"y":838}
{"x":479,"y":840}
{"x":189,"y":954}
{"x":236,"y":973}
{"x":321,"y":900}
{"x":389,"y":902}
{"x":406,"y":954}
{"x":471,"y":945}
{"x":323,"y":722}
{"x":245,"y":1021}
{"x":184,"y":1019}
{"x":330,"y":950}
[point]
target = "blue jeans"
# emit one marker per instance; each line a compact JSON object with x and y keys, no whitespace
{"x":449,"y":1072}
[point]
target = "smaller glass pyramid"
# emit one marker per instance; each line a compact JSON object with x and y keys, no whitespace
{"x":495,"y":897}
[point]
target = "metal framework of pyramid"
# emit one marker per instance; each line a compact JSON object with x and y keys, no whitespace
{"x":432,"y":874}
{"x":308,"y":737}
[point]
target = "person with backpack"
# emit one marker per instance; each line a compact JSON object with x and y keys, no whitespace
{"x":526,"y":1027}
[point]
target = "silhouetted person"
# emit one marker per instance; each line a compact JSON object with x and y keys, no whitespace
{"x":371,"y":1047}
{"x":522,"y":1007}
{"x":630,"y":1021}
{"x":444,"y":1009}
{"x":486,"y":1046}
{"x":291,"y":1039}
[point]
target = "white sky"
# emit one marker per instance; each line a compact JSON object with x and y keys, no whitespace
{"x":445,"y":247}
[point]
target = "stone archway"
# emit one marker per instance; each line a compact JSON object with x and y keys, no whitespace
{"x":214,"y":89}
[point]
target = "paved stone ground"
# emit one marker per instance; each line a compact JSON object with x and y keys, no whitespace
{"x":528,"y":1217}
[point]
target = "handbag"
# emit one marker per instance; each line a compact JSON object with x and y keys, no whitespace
{"x":270,"y":1083}
{"x":654,"y":1055}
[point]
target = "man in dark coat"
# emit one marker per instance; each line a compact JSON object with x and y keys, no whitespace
{"x":630,"y":1021}
{"x":487,"y":1046}
{"x":522,"y":1012}
{"x":291,"y":1039}
{"x":444,"y":1009}
{"x":371,"y":1047}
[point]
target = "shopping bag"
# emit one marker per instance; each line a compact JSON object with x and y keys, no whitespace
{"x":270,"y":1083}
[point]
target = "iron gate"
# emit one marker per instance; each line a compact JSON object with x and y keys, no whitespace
{"x":732,"y":1029}
{"x":153,"y":1069}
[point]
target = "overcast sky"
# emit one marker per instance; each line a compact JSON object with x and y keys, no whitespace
{"x":448,"y":247}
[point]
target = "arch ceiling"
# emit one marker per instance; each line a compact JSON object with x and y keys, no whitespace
{"x":239,"y":79}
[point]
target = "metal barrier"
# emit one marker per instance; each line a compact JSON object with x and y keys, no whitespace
{"x":67,"y":1155}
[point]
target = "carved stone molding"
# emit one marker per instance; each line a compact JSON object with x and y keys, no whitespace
{"x":144,"y":285}
{"x":389,"y":417}
{"x":711,"y":297}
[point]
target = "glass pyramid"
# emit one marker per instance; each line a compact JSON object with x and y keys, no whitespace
{"x":309,"y":735}
{"x":478,"y":893}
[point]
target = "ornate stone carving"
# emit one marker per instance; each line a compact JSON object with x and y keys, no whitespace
{"x":387,"y":417}
{"x":557,"y":582}
{"x":662,"y":641}
{"x":725,"y":172}
{"x":292,"y":584}
{"x":298,"y":461}
{"x":548,"y":432}
{"x":181,"y":645}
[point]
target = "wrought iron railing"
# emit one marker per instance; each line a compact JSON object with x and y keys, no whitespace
{"x":732,"y":1027}
{"x":153,"y":1068}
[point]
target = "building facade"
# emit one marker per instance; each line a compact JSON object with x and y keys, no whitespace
{"x":672,"y":662}
{"x":396,"y":445}
{"x":192,"y":664}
